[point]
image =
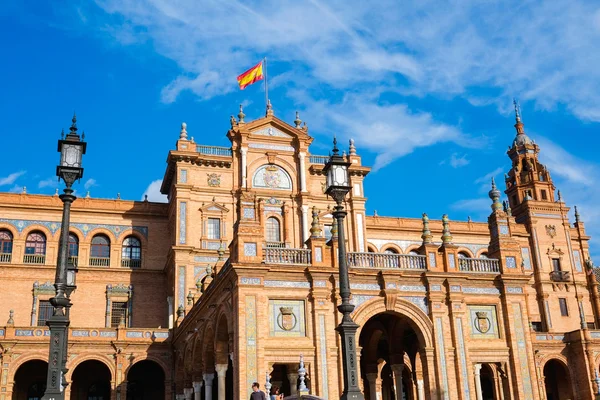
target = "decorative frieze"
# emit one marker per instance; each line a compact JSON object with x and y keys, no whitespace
{"x":412,"y":288}
{"x":84,"y":228}
{"x":287,"y":284}
{"x":249,"y":281}
{"x":365,"y":286}
{"x":480,"y":290}
{"x":514,"y":290}
{"x":420,"y":302}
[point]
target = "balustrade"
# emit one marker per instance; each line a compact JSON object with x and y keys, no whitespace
{"x":5,"y":258}
{"x":479,"y":265}
{"x":214,"y":151}
{"x":131,"y":263}
{"x":73,"y":260}
{"x":99,"y":261}
{"x":34,"y":259}
{"x":318,"y":159}
{"x":279,"y":255}
{"x":387,"y":260}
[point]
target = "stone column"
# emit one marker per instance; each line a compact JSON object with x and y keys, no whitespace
{"x":420,"y":390}
{"x":304,"y":224}
{"x":244,"y":151}
{"x":208,"y":380}
{"x":293,"y":378}
{"x":187,"y":393}
{"x":478,"y":393}
{"x":397,"y":370}
{"x":221,"y":371}
{"x":372,"y":379}
{"x":301,"y":156}
{"x":197,"y":390}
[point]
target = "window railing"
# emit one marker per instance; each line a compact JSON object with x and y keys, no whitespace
{"x":5,"y":258}
{"x":560,"y":276}
{"x":214,"y":151}
{"x":479,"y":265}
{"x":318,"y":159}
{"x":34,"y":259}
{"x":275,"y":245}
{"x":386,"y":260}
{"x":99,"y":261}
{"x":131,"y":263}
{"x":73,"y":260}
{"x":274,"y":255}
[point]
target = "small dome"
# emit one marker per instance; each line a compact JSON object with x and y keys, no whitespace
{"x":522,"y":139}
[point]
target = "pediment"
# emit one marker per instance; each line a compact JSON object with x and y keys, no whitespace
{"x":273,"y":128}
{"x":270,"y":132}
{"x":214,"y":208}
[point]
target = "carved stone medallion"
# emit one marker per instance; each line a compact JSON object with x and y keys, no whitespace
{"x":551,"y":230}
{"x":286,"y":318}
{"x":482,"y":323}
{"x":214,"y":180}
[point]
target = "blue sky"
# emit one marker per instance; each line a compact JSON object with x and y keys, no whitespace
{"x":425,"y":88}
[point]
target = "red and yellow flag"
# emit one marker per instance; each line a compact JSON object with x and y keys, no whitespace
{"x":254,"y":74}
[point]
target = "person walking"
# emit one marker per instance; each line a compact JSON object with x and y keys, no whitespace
{"x":256,"y":393}
{"x":275,"y":395}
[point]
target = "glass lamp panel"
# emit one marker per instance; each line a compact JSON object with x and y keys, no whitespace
{"x":71,"y":277}
{"x":329,"y":181}
{"x":70,"y":155}
{"x":340,"y":175}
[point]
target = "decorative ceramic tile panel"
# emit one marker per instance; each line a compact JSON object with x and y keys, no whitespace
{"x":270,"y":147}
{"x":250,"y":249}
{"x":323,"y":355}
{"x":251,"y":362}
{"x":452,"y":260}
{"x":391,"y":285}
{"x":503,"y":229}
{"x":548,"y":317}
{"x":181,"y":286}
{"x":479,"y":290}
{"x":522,"y":351}
{"x":365,"y":286}
{"x":420,"y":302}
{"x":249,"y":213}
{"x":271,"y":177}
{"x":360,"y":232}
{"x":358,"y":299}
{"x":108,"y":334}
{"x":547,"y":215}
{"x":526,"y":257}
{"x":1,"y":332}
{"x":287,"y":284}
{"x":134,"y":334}
{"x":206,"y":259}
{"x":595,"y":335}
{"x":52,"y":226}
{"x":483,"y":321}
{"x":454,"y":288}
{"x":577,"y":258}
{"x":80,"y":333}
{"x":432,"y":258}
{"x":249,"y":281}
{"x":320,"y":283}
{"x":318,"y":254}
{"x":182,"y":222}
{"x":463,"y":358}
{"x":271,"y":209}
{"x":514,"y":290}
{"x":511,"y":262}
{"x":160,"y":335}
{"x":412,"y":288}
{"x":435,"y":288}
{"x":286,"y":318}
{"x":24,"y":332}
{"x":183,"y":176}
{"x":442,"y":354}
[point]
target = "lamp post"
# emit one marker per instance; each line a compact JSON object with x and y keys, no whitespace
{"x":71,"y":149}
{"x":337,"y":186}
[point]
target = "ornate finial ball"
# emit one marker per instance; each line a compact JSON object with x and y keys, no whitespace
{"x":425,"y":217}
{"x":183,"y":126}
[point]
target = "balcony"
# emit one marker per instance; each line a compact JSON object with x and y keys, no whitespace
{"x":275,"y":245}
{"x":278,"y":255}
{"x":318,"y":159}
{"x":5,"y":258}
{"x":131,"y":263}
{"x":34,"y":259}
{"x":214,"y":151}
{"x":560,"y":276}
{"x":386,"y":260}
{"x":99,"y":261}
{"x":489,"y":265}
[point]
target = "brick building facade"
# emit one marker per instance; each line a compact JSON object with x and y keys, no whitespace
{"x":235,"y":277}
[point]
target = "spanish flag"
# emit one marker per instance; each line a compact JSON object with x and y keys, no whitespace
{"x":254,"y":74}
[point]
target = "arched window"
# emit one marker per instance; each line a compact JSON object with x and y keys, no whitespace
{"x":273,"y":231}
{"x":462,"y":254}
{"x":483,"y":255}
{"x":35,"y":248}
{"x":6,"y":241}
{"x":390,"y":250}
{"x":73,"y":248}
{"x":100,"y":251}
{"x":131,"y":255}
{"x":413,"y":253}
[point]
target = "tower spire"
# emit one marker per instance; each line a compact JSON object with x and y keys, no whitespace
{"x":495,"y":196}
{"x":519,"y":124}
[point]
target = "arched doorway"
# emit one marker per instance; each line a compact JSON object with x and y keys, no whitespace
{"x":30,"y":380}
{"x":145,"y":381}
{"x":91,"y":381}
{"x":391,"y":349}
{"x":557,"y":381}
{"x":487,"y":382}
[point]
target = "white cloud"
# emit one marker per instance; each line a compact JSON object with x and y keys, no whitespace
{"x":10,"y":179}
{"x":153,"y":192}
{"x":90,"y":183}
{"x":457,"y":161}
{"x":16,"y":189}
{"x":480,"y":207}
{"x":50,"y":183}
{"x":487,"y":178}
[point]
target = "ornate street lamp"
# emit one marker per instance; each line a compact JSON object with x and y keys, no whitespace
{"x":71,"y":149}
{"x":338,"y":185}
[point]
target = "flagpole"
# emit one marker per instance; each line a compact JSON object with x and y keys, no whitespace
{"x":266,"y":84}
